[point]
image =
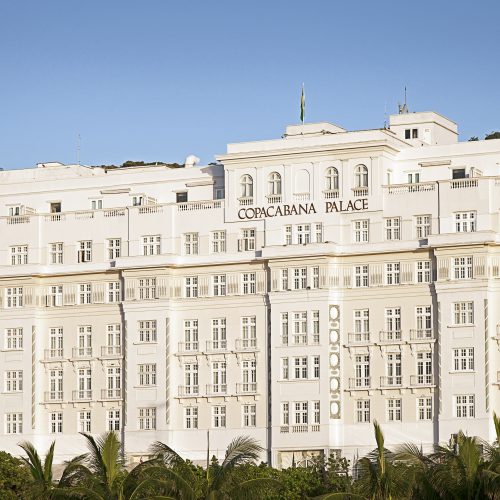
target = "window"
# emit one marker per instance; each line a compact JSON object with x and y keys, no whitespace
{"x":151,"y":245}
{"x":191,"y":417}
{"x":316,"y":412}
{"x":249,"y":415}
{"x":249,"y":376}
{"x":361,"y":325}
{"x":13,"y":423}
{"x":218,"y":416}
{"x":96,"y":204}
{"x":285,"y":414}
{"x":285,"y":369}
{"x":463,"y":313}
{"x":13,"y":339}
{"x":464,"y":406}
{"x":56,"y":422}
{"x":56,"y":253}
{"x":14,"y":297}
{"x":413,"y":177}
{"x":191,"y":380}
{"x":16,"y":210}
{"x":299,"y":335}
{"x":218,"y":241}
{"x":246,"y":186}
{"x":138,"y":200}
{"x":114,"y":294}
{"x":84,"y":341}
{"x":219,"y":193}
{"x":113,"y":420}
{"x":284,"y":280}
{"x":424,"y":271}
{"x":55,"y":207}
{"x":19,"y":255}
{"x":288,"y":234}
{"x":392,"y":228}
{"x":219,"y":340}
{"x":463,"y":359}
{"x":316,"y":370}
{"x":361,"y":276}
{"x":315,"y":277}
{"x":424,"y":406}
{"x":462,"y":267}
{"x":85,"y":251}
{"x":465,"y":222}
{"x":393,"y":323}
{"x":114,"y":248}
{"x":303,"y":234}
{"x":362,"y":370}
{"x":147,"y":375}
{"x":363,"y":411}
{"x":113,"y":339}
{"x":249,"y":280}
{"x":300,"y":413}
{"x":191,"y":334}
{"x":249,"y":332}
{"x":191,"y":286}
{"x":315,"y":327}
{"x":394,"y":410}
{"x":331,"y":179}
{"x":361,"y":231}
{"x":284,"y":328}
{"x":318,"y":232}
{"x":56,"y":342}
{"x":113,"y":382}
{"x":247,"y":241}
{"x":85,"y":293}
{"x":458,"y":173}
{"x":147,"y":331}
{"x":219,"y":380}
{"x":360,"y":176}
{"x":424,"y":321}
{"x":147,"y":419}
{"x":55,"y":296}
{"x":300,"y":368}
{"x":300,"y":278}
{"x":84,"y":383}
{"x":14,"y":381}
{"x":274,"y":184}
{"x":147,"y":288}
{"x":411,"y":133}
{"x":84,"y":421}
{"x":181,"y":197}
{"x":219,"y":284}
{"x":392,"y":273}
{"x":423,"y":226}
{"x":191,"y":243}
{"x":424,"y":368}
{"x":393,"y":369}
{"x":55,"y":385}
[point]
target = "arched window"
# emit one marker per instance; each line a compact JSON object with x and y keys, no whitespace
{"x":332,"y":179}
{"x":361,"y":176}
{"x":274,"y":183}
{"x":246,"y":184}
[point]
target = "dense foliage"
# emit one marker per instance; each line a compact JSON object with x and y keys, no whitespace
{"x":467,"y":469}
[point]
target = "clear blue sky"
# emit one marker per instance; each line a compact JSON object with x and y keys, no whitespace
{"x":158,"y":79}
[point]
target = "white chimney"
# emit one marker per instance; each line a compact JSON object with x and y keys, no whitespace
{"x":191,"y":161}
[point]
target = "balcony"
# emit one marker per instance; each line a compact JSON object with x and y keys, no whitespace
{"x":391,"y":381}
{"x":422,"y":380}
{"x":18,"y":219}
{"x":360,"y":191}
{"x":359,"y":338}
{"x":53,"y":354}
{"x":199,"y":205}
{"x":274,"y":198}
{"x":111,"y":394}
{"x":245,"y":201}
{"x":389,"y":336}
{"x":82,"y":395}
{"x":56,"y":217}
{"x":189,"y":390}
{"x":111,"y":351}
{"x":330,"y":194}
{"x":360,"y":383}
{"x":418,"y":187}
{"x":300,"y":428}
{"x":82,"y":352}
{"x":246,"y":344}
{"x":463,"y":183}
{"x":53,"y":396}
{"x":246,"y":388}
{"x":301,"y":196}
{"x":216,"y":345}
{"x":189,"y":347}
{"x":216,"y":389}
{"x":422,"y":334}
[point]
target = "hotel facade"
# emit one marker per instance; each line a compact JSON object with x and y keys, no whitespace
{"x":295,"y":291}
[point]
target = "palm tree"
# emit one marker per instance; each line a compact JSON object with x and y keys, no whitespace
{"x":215,"y":484}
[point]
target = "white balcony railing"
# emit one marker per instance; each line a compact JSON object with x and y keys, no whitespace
{"x":359,"y":337}
{"x":360,"y":191}
{"x":189,"y":347}
{"x":360,"y":383}
{"x":52,"y":396}
{"x":189,"y":390}
{"x":216,"y":345}
{"x":111,"y":393}
{"x":246,"y":344}
{"x":331,"y":194}
{"x":463,"y":183}
{"x":111,"y":350}
{"x":391,"y":381}
{"x":422,"y":334}
{"x":246,"y":200}
{"x":52,"y":354}
{"x":246,"y":388}
{"x":301,"y":196}
{"x":82,"y":352}
{"x":216,"y":389}
{"x":390,"y":336}
{"x":274,"y":198}
{"x":82,"y":395}
{"x":422,"y":380}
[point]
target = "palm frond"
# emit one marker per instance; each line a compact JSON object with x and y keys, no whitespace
{"x":34,"y":462}
{"x":254,"y":488}
{"x":74,"y":471}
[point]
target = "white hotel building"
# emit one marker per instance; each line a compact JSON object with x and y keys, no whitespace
{"x":295,"y":292}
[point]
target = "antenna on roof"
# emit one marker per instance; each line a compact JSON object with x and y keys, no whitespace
{"x":78,"y":148}
{"x":385,"y":115}
{"x":403,"y":108}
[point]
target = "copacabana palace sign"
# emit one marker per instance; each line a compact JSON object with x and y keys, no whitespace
{"x":302,"y":208}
